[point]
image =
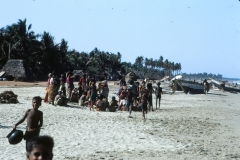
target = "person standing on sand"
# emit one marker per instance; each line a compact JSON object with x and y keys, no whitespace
{"x":150,"y":91}
{"x":53,"y":89}
{"x":141,"y":88}
{"x":222,"y":86}
{"x":88,"y":80}
{"x":93,"y":94}
{"x":129,"y":98}
{"x":143,"y":104}
{"x":158,"y":94}
{"x":122,"y":82}
{"x":134,"y":89}
{"x":206,"y":86}
{"x":47,"y":88}
{"x":62,"y":87}
{"x":83,"y":81}
{"x":80,"y":90}
{"x":70,"y":85}
{"x":105,"y":90}
{"x":34,"y":119}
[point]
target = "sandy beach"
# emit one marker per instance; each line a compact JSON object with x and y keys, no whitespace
{"x":186,"y":127}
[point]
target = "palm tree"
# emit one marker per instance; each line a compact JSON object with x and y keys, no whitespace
{"x":160,"y":62}
{"x":139,"y":63}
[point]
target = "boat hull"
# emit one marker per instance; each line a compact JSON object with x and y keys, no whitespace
{"x":227,"y":87}
{"x":190,"y":87}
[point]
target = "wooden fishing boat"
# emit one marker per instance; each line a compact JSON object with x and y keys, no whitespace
{"x":187,"y":86}
{"x":225,"y":86}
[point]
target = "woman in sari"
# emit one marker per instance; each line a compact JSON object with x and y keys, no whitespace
{"x":70,"y":85}
{"x":48,"y":84}
{"x":53,"y":89}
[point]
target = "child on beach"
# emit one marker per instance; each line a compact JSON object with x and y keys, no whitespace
{"x":122,"y":105}
{"x":34,"y":119}
{"x":40,"y":147}
{"x":82,"y":99}
{"x":101,"y":104}
{"x":113,"y":105}
{"x":114,"y":102}
{"x":129,"y":98}
{"x":74,"y":95}
{"x":158,"y":94}
{"x":144,"y":101}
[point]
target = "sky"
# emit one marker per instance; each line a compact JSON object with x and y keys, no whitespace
{"x":202,"y":35}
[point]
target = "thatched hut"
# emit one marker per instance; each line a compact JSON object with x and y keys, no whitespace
{"x":130,"y":76}
{"x":17,"y":70}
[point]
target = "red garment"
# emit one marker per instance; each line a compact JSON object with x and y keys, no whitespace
{"x":82,"y":80}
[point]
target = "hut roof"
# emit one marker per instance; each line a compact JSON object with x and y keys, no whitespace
{"x":107,"y":73}
{"x":78,"y":72}
{"x":130,"y":76}
{"x":18,"y":70}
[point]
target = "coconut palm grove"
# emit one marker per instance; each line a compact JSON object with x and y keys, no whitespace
{"x":43,"y":55}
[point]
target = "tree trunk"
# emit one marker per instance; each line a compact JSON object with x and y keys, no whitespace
{"x":9,"y":45}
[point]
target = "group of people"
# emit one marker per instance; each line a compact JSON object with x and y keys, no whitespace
{"x":135,"y":94}
{"x":61,"y":90}
{"x":138,"y":95}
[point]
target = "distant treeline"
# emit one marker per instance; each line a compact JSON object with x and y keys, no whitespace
{"x":43,"y":55}
{"x":199,"y":76}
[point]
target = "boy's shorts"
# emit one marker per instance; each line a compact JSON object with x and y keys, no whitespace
{"x":29,"y":135}
{"x":129,"y":104}
{"x":143,"y":107}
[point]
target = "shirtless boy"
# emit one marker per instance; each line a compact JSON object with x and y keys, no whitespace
{"x":158,"y":93}
{"x":144,"y":102}
{"x":34,"y":119}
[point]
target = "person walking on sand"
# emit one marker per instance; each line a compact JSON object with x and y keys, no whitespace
{"x":129,"y":98}
{"x":206,"y":86}
{"x":158,"y":94}
{"x":140,"y":89}
{"x":34,"y":119}
{"x":150,"y":91}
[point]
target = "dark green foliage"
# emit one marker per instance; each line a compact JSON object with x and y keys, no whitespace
{"x":43,"y":55}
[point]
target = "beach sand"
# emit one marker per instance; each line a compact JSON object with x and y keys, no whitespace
{"x":187,"y":127}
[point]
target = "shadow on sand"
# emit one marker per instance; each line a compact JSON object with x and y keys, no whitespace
{"x":73,"y":106}
{"x":217,"y":94}
{"x":5,"y":126}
